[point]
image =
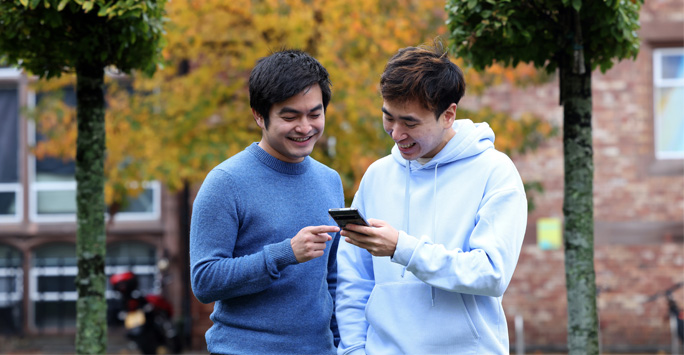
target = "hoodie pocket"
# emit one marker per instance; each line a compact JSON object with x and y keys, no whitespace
{"x":402,"y":317}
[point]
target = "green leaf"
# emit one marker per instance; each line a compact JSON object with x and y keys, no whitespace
{"x":577,"y":4}
{"x":88,"y":5}
{"x":62,"y":4}
{"x":24,"y":2}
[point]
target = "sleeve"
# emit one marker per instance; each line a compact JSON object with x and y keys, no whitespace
{"x":215,"y":273}
{"x":355,"y":282}
{"x":495,"y":243}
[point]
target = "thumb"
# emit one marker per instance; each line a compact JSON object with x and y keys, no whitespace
{"x":376,"y":222}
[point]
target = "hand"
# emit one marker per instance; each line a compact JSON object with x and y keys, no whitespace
{"x":309,"y":243}
{"x":380,"y":239}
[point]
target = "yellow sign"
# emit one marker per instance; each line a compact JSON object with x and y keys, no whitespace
{"x":549,"y":233}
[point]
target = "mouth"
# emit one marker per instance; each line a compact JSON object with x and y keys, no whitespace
{"x":406,"y":146}
{"x":300,"y":139}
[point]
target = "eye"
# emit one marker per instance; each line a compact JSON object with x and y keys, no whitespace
{"x":288,"y":118}
{"x":411,"y":125}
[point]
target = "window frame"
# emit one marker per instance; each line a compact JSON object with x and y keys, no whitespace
{"x":13,"y":76}
{"x":659,"y":82}
{"x":35,"y":187}
{"x":35,"y":295}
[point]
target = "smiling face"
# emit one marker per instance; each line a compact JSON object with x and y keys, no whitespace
{"x":415,"y":130}
{"x":294,"y":125}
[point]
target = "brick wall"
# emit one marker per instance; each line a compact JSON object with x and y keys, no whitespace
{"x":626,"y":276}
{"x":638,"y":203}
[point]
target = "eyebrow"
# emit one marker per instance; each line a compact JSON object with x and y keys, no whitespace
{"x":291,"y":110}
{"x":404,"y":118}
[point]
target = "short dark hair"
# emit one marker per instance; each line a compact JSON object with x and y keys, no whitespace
{"x":425,"y":74}
{"x":284,"y":74}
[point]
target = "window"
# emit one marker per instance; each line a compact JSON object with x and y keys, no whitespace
{"x":137,"y":257}
{"x":668,"y":88}
{"x":52,"y":290}
{"x":10,"y":188}
{"x":11,"y":290}
{"x":53,"y":272}
{"x":52,"y":195}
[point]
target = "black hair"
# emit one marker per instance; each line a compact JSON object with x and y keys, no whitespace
{"x":284,"y":74}
{"x":424,"y":74}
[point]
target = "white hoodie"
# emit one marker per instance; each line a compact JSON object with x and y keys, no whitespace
{"x":462,"y":219}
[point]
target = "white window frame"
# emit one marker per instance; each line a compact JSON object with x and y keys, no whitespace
{"x":18,"y":202}
{"x":659,"y":82}
{"x":13,"y":74}
{"x":37,"y":186}
{"x":10,"y":73}
{"x":72,"y":296}
{"x":7,"y":298}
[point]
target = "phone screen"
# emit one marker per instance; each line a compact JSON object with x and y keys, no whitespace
{"x":344,"y":216}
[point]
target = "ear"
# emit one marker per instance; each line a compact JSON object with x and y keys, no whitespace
{"x":259,"y":120}
{"x":450,"y":115}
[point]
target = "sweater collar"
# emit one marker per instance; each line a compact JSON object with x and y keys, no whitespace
{"x":277,"y":164}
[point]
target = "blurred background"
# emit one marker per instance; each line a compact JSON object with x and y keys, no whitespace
{"x":165,"y":132}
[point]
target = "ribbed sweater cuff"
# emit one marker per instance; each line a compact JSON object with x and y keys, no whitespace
{"x":406,"y":244}
{"x":279,"y":255}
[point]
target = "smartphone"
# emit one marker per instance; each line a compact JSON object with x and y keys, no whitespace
{"x":349,"y":215}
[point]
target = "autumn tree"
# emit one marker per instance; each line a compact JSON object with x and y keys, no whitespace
{"x":49,"y":37}
{"x":196,"y":110}
{"x":576,"y":37}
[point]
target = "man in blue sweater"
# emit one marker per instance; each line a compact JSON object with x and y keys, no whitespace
{"x":260,"y":239}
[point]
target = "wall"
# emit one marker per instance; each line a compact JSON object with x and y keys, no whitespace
{"x":638,"y":203}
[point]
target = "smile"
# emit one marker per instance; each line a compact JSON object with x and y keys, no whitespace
{"x":303,"y":139}
{"x":406,"y":146}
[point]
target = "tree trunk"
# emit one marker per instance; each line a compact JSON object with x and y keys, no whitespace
{"x":578,"y":209}
{"x":91,"y":308}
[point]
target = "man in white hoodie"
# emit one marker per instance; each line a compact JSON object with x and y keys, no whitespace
{"x":448,"y":214}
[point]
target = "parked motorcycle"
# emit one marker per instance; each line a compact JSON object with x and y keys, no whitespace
{"x":147,"y":318}
{"x":674,"y":312}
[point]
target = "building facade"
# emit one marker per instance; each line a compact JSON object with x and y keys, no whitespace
{"x":638,"y":136}
{"x":38,"y":230}
{"x":638,"y":142}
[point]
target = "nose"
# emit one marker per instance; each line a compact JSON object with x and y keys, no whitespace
{"x":303,"y":126}
{"x":395,"y":132}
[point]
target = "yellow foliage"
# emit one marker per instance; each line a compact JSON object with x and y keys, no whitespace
{"x":194,"y":113}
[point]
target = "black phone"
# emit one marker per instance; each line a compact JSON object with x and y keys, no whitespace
{"x":348,"y":215}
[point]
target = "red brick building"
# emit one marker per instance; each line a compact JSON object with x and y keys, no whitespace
{"x":638,"y":195}
{"x":638,"y":206}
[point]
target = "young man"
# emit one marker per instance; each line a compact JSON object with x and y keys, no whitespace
{"x":260,"y":243}
{"x":447,"y":214}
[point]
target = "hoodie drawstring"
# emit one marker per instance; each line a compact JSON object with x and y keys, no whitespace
{"x":434,"y":221}
{"x":407,"y":203}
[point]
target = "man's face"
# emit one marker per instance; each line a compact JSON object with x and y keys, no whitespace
{"x":415,"y":130}
{"x":294,"y":125}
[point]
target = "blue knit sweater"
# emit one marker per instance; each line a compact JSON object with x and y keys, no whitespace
{"x":246,"y":212}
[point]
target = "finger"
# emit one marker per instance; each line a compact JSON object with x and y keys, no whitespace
{"x":358,"y":244}
{"x":321,"y":238}
{"x":323,"y":229}
{"x":358,"y":230}
{"x":376,"y":222}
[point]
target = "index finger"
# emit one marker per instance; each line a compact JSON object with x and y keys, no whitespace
{"x":324,"y":229}
{"x":357,"y":228}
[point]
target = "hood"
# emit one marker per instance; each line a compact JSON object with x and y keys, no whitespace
{"x":470,"y":139}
